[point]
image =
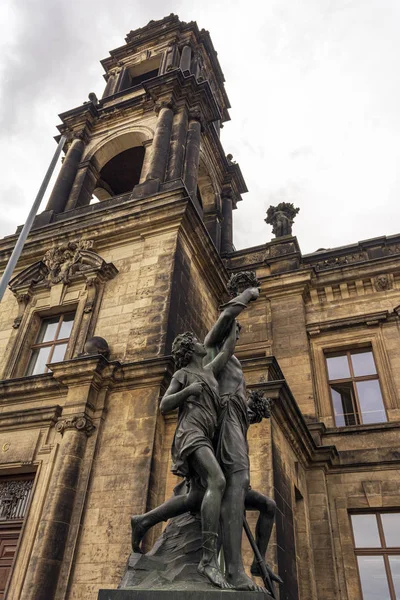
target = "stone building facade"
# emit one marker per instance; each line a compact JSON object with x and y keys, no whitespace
{"x":82,"y":443}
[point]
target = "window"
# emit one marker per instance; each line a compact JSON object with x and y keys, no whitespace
{"x":377,"y":548}
{"x":354,"y":386}
{"x":51,"y":343}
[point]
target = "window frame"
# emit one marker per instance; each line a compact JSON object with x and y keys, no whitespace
{"x":51,"y":344}
{"x":383,"y":550}
{"x":348,"y":351}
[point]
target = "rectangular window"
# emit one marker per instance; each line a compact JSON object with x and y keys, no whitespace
{"x":377,"y":548}
{"x":51,"y":343}
{"x":354,"y":386}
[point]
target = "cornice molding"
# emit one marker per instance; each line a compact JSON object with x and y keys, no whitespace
{"x":369,"y":319}
{"x":144,"y":373}
{"x":31,"y":417}
{"x":34,"y":387}
{"x":288,"y":416}
{"x":84,"y":370}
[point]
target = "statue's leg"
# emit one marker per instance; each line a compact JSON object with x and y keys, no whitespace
{"x":232,"y":513}
{"x":267,"y":508}
{"x":177,"y":505}
{"x":204,"y":464}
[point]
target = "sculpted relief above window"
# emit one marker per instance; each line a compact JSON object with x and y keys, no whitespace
{"x":57,"y":297}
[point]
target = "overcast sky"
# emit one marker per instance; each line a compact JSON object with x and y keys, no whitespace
{"x":314,"y":87}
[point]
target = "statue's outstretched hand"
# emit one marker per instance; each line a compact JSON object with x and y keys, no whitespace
{"x":255,"y":292}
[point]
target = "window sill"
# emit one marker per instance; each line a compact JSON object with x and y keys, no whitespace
{"x":363,"y":428}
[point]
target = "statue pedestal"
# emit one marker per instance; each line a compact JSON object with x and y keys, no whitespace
{"x":214,"y":594}
{"x":169,"y":570}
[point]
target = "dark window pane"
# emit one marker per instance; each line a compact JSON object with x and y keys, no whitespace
{"x":371,"y":404}
{"x":37,"y":363}
{"x":59,"y":353}
{"x":344,"y":404}
{"x":338,"y":367}
{"x":66,"y":326}
{"x":366,"y":534}
{"x":391,"y":528}
{"x":395,"y":569}
{"x":363,"y":363}
{"x":48,"y":330}
{"x":373,"y":578}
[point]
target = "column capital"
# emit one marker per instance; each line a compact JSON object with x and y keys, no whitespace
{"x":79,"y":422}
{"x":196,"y":115}
{"x":165,"y":104}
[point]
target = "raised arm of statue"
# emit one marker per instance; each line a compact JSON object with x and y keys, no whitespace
{"x":225,"y":352}
{"x":231,"y":310}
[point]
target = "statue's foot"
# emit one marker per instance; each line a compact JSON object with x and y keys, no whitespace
{"x":255,"y":570}
{"x":240,"y":581}
{"x":213,"y":575}
{"x":138,"y":532}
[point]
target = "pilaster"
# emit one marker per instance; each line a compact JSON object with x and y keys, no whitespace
{"x":80,"y":418}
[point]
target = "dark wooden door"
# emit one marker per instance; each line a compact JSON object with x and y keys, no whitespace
{"x":15,"y":493}
{"x":9,"y":537}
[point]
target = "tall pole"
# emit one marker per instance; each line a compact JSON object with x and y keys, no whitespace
{"x":29,"y":222}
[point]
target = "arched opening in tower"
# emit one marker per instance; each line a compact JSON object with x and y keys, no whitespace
{"x":120,"y":174}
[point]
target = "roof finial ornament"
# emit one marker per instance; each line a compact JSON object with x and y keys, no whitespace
{"x":281,"y":218}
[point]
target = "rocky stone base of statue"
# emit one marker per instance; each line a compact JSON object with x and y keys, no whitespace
{"x":169,"y":570}
{"x":172,"y":562}
{"x":213,"y":594}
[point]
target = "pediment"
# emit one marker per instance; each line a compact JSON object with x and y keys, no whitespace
{"x":63,"y":264}
{"x":27,"y":278}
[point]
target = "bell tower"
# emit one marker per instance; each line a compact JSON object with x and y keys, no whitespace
{"x":156,"y":129}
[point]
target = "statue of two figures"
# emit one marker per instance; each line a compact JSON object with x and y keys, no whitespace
{"x":210,"y":452}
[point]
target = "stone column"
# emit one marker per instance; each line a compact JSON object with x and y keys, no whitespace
{"x":227,"y":230}
{"x":83,"y":187}
{"x":160,"y":147}
{"x":177,"y":147}
{"x":147,"y":144}
{"x":124,"y":80}
{"x":65,"y":180}
{"x":192,"y":157}
{"x":47,"y":556}
{"x":112,"y":82}
{"x":186,"y":58}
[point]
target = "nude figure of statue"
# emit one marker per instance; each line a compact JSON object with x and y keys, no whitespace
{"x":233,"y":455}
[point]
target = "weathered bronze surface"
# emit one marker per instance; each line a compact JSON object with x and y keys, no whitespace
{"x":210,"y":450}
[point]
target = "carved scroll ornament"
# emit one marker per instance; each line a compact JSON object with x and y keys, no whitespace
{"x":80,"y":422}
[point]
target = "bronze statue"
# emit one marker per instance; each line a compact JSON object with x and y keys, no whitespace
{"x":210,"y":448}
{"x":194,"y":390}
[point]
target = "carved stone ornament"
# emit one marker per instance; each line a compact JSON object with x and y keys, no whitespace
{"x":80,"y":422}
{"x":71,"y":261}
{"x":382,"y":283}
{"x":340,"y":261}
{"x":238,"y":282}
{"x":164,"y":104}
{"x":195,"y":114}
{"x":281,"y":218}
{"x":22,"y":300}
{"x":62,"y":263}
